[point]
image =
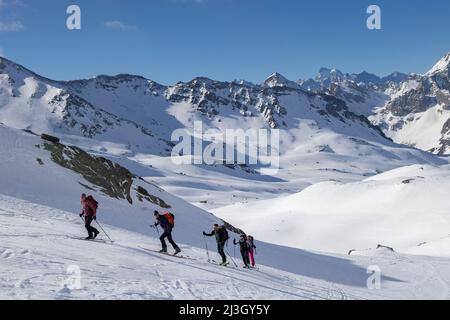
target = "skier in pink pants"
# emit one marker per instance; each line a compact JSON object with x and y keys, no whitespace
{"x":251,"y":250}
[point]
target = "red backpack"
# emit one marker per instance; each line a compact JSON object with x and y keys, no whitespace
{"x":170,"y":218}
{"x":93,"y":203}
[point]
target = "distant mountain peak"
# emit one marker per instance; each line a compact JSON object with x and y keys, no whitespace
{"x":443,"y":65}
{"x":277,"y":76}
{"x":8,"y":63}
{"x":326,"y":73}
{"x":396,"y":77}
{"x":278,"y":80}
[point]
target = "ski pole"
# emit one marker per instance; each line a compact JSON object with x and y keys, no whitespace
{"x":155,"y":227}
{"x":231,"y":258}
{"x":103,"y":231}
{"x":207,"y":251}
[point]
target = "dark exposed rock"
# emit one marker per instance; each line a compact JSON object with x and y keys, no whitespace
{"x":143,"y":194}
{"x":385,"y":247}
{"x":232,"y":228}
{"x":49,"y":138}
{"x":30,"y":132}
{"x":111,"y":178}
{"x":414,"y":101}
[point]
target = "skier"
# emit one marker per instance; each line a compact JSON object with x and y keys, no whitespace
{"x":166,"y":221}
{"x":251,"y":250}
{"x":90,"y":206}
{"x":221,"y":235}
{"x":244,"y":247}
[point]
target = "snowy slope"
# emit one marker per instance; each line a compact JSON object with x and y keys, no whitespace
{"x":29,"y":172}
{"x":120,"y":271}
{"x":402,"y":208}
{"x":320,"y":156}
{"x":37,"y":249}
{"x":40,"y":260}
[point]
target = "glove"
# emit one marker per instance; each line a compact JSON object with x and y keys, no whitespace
{"x":81,"y":214}
{"x":95,"y":218}
{"x":204,"y":233}
{"x":156,"y":224}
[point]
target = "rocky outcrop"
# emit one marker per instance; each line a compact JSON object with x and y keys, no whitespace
{"x":102,"y":174}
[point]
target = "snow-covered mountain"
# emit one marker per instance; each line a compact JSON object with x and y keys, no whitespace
{"x":137,"y":115}
{"x":29,"y":101}
{"x":410,"y":109}
{"x":362,"y":92}
{"x":328,"y":77}
{"x":418,"y":112}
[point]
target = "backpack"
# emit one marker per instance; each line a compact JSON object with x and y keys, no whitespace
{"x":170,"y":218}
{"x":93,"y":203}
{"x":223,"y":234}
{"x":250,"y":241}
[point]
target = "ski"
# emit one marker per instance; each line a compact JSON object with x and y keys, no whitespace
{"x":227,"y":265}
{"x":92,"y":240}
{"x":168,"y":254}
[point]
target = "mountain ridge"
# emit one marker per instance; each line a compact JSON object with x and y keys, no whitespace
{"x":129,"y":106}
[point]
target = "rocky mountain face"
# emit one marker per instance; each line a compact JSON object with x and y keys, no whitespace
{"x":267,"y":101}
{"x":411,"y":109}
{"x":418,"y":112}
{"x":362,"y":92}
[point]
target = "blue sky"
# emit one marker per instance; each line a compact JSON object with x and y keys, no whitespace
{"x":177,"y":40}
